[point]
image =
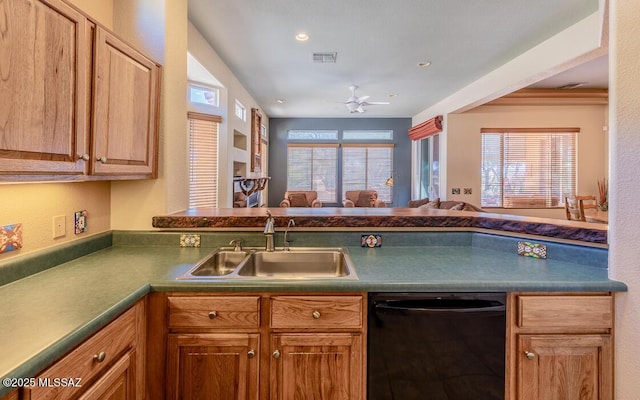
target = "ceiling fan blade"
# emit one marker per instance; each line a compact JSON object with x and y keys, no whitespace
{"x":374,"y":103}
{"x":361,"y":99}
{"x":360,"y":109}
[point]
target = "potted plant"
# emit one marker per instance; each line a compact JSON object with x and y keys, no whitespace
{"x":603,"y":195}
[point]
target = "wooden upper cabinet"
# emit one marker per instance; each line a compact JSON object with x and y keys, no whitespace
{"x":125,"y":109}
{"x":77,"y":102}
{"x":43,"y":108}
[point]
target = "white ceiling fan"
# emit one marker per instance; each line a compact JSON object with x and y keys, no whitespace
{"x":356,"y":104}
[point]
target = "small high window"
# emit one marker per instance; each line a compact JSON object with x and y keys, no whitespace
{"x":241,"y":111}
{"x":203,"y":95}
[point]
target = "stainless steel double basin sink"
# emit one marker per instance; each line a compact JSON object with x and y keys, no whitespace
{"x":256,"y":263}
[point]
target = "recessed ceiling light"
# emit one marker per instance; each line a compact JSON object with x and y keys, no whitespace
{"x":424,"y":64}
{"x":302,"y":37}
{"x":279,"y":101}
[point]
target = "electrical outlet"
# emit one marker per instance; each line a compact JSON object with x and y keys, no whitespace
{"x":190,"y":240}
{"x":59,"y":226}
{"x":10,"y":237}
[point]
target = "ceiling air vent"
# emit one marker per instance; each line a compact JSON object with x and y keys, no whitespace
{"x":572,"y":85}
{"x":325,"y":57}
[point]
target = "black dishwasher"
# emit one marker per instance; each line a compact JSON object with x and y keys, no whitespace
{"x":436,"y":346}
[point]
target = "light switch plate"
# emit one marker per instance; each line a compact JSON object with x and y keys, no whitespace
{"x":59,"y":228}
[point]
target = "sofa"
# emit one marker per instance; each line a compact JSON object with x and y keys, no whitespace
{"x":301,"y":198}
{"x":362,"y":198}
{"x":444,"y":205}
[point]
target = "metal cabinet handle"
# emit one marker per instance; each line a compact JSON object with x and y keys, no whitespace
{"x":276,"y":354}
{"x":316,"y":314}
{"x":84,"y":157}
{"x":102,"y":159}
{"x":251,"y":353}
{"x":530,"y":355}
{"x":99,"y":357}
{"x":213,"y":314}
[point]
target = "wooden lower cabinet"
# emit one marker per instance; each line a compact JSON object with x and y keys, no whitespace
{"x":213,"y":366}
{"x":557,"y":367}
{"x":316,"y":366}
{"x":108,"y":366}
{"x":560,"y":346}
{"x":118,"y":383}
{"x":263,"y":346}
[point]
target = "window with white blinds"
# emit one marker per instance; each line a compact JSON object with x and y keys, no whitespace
{"x":368,"y":166}
{"x":203,"y":160}
{"x":313,"y":167}
{"x":528,"y":168}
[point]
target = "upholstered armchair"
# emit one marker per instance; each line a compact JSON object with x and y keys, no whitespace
{"x":301,"y":198}
{"x":362,"y":198}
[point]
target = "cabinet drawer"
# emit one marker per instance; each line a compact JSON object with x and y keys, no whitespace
{"x":214,"y":312}
{"x":316,"y":312}
{"x":589,"y":312}
{"x":90,"y":358}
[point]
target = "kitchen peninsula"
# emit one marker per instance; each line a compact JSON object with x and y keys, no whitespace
{"x":338,"y":218}
{"x":436,"y":251}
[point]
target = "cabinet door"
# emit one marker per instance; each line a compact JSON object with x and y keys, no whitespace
{"x":324,"y":366}
{"x":213,"y":366}
{"x":115,"y":384}
{"x":565,"y":367}
{"x":125,"y":109}
{"x":43,"y":107}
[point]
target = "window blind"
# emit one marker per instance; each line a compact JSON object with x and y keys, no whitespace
{"x":528,"y":168}
{"x":203,"y":160}
{"x":313,"y":167}
{"x":368,"y":166}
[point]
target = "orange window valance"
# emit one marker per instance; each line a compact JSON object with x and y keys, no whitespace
{"x":428,"y":128}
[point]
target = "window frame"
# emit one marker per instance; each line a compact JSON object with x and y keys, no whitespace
{"x":207,"y":186}
{"x":538,"y":173}
{"x":312,"y":182}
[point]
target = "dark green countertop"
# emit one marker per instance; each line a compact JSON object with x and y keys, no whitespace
{"x":46,"y":314}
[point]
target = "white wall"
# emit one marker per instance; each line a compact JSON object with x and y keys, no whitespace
{"x":624,"y":263}
{"x":465,"y":141}
{"x":233,"y":89}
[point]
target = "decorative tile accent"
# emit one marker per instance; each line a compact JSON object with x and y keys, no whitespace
{"x":80,"y":222}
{"x":371,"y":240}
{"x":10,"y":237}
{"x":455,"y":191}
{"x":189,"y":240}
{"x":467,"y":191}
{"x":535,"y":250}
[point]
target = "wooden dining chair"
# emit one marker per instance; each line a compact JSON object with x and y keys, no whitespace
{"x":574,"y":207}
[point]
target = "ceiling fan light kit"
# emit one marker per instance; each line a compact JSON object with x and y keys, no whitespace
{"x":356,"y":104}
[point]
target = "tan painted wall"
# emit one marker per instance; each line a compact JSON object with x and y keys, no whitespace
{"x":464,"y":146}
{"x":158,"y":28}
{"x":101,"y":10}
{"x":35,"y":204}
